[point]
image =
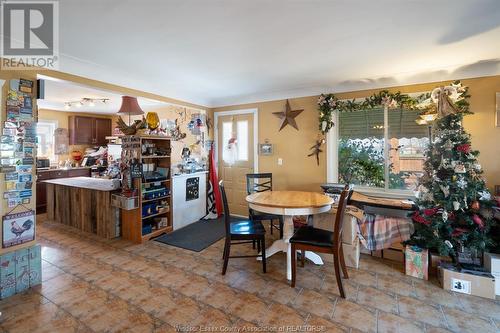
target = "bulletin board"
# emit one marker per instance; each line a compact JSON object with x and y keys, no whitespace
{"x":18,"y":118}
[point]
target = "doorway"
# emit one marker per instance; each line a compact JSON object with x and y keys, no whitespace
{"x":236,"y":143}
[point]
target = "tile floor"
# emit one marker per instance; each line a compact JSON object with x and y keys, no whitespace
{"x":91,"y":285}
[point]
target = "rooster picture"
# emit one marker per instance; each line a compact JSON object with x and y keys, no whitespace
{"x":19,"y":230}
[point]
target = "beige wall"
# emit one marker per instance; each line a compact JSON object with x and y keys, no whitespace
{"x":62,"y":122}
{"x":300,"y":172}
{"x":183,"y":116}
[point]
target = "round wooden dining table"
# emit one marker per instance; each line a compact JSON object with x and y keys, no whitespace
{"x":288,"y":204}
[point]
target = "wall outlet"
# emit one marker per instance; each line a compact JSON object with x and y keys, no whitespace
{"x":461,"y":286}
{"x":280,"y":161}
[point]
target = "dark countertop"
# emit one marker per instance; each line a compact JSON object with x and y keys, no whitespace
{"x":60,"y":169}
{"x":89,"y":183}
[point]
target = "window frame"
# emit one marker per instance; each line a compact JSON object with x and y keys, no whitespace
{"x":332,"y":160}
{"x":55,"y":158}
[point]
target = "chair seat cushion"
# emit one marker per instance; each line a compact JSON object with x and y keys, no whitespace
{"x":247,"y":227}
{"x":313,"y":236}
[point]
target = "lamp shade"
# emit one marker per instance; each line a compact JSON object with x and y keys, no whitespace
{"x":130,"y":106}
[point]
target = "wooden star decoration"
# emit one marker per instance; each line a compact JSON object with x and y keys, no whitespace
{"x":288,"y":116}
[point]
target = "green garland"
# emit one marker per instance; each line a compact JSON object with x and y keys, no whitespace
{"x":329,"y":103}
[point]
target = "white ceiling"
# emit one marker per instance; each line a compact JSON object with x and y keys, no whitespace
{"x":224,"y":52}
{"x":58,"y":92}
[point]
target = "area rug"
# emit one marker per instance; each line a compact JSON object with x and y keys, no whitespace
{"x":196,"y":236}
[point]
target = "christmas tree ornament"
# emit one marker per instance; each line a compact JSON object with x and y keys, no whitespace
{"x":456,"y":205}
{"x":485,"y":195}
{"x":444,"y":215}
{"x":475,"y":205}
{"x":445,"y":106}
{"x":464,"y":148}
{"x":459,"y":168}
{"x":448,"y":145}
{"x":477,"y":166}
{"x":454,"y":178}
{"x":477,"y":220}
{"x":462,"y":183}
{"x":448,"y":243}
{"x":445,"y":189}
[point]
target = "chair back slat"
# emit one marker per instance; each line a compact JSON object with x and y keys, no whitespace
{"x":227,"y":214}
{"x":259,"y":182}
{"x":345,"y":196}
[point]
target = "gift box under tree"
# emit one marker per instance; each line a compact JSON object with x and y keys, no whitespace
{"x":417,"y":262}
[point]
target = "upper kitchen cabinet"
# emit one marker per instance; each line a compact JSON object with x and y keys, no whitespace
{"x":88,"y":130}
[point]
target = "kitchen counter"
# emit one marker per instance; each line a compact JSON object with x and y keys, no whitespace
{"x":61,"y":169}
{"x":98,"y":184}
{"x":83,"y":203}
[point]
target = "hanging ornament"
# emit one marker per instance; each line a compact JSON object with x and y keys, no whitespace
{"x":459,"y":168}
{"x":448,"y":243}
{"x":465,"y":202}
{"x":456,"y":205}
{"x":477,"y":220}
{"x":477,"y":166}
{"x":475,"y":205}
{"x":484,"y":195}
{"x":458,"y":232}
{"x":454,"y":178}
{"x":448,"y":145}
{"x":462,"y":183}
{"x":445,"y":189}
{"x":444,"y":215}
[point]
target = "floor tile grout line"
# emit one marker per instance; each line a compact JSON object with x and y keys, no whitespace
{"x":169,"y":288}
{"x":448,"y":326}
{"x":66,"y":311}
{"x":212,"y":280}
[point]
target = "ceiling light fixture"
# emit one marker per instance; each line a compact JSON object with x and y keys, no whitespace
{"x":90,"y":102}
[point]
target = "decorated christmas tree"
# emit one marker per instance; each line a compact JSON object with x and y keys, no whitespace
{"x":454,"y":204}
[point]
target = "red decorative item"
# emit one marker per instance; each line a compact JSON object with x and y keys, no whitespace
{"x":464,"y":148}
{"x":458,"y":232}
{"x":475,"y":205}
{"x":420,"y":219}
{"x":431,"y":211}
{"x":477,"y":220}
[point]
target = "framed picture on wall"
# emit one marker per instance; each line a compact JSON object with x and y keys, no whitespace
{"x":266,"y":149}
{"x":18,"y":228}
{"x":497,"y":111}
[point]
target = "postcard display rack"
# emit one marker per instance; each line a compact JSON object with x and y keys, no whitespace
{"x":146,"y":187}
{"x":20,"y":256}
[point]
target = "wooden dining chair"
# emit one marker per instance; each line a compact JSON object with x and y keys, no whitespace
{"x":241,"y":232}
{"x":308,"y":238}
{"x":261,"y":182}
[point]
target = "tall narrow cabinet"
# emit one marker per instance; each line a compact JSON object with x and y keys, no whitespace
{"x":154,"y":196}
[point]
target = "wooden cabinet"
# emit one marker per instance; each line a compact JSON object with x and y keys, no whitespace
{"x":41,"y":187}
{"x":102,"y":129}
{"x":88,"y":130}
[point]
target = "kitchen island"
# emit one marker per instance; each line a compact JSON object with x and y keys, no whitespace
{"x":83,"y":203}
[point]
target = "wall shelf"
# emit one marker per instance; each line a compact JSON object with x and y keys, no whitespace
{"x":133,"y":221}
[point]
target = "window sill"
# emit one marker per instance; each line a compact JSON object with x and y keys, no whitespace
{"x":381,"y":193}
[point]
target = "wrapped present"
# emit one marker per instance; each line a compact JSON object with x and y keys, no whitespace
{"x":417,"y":262}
